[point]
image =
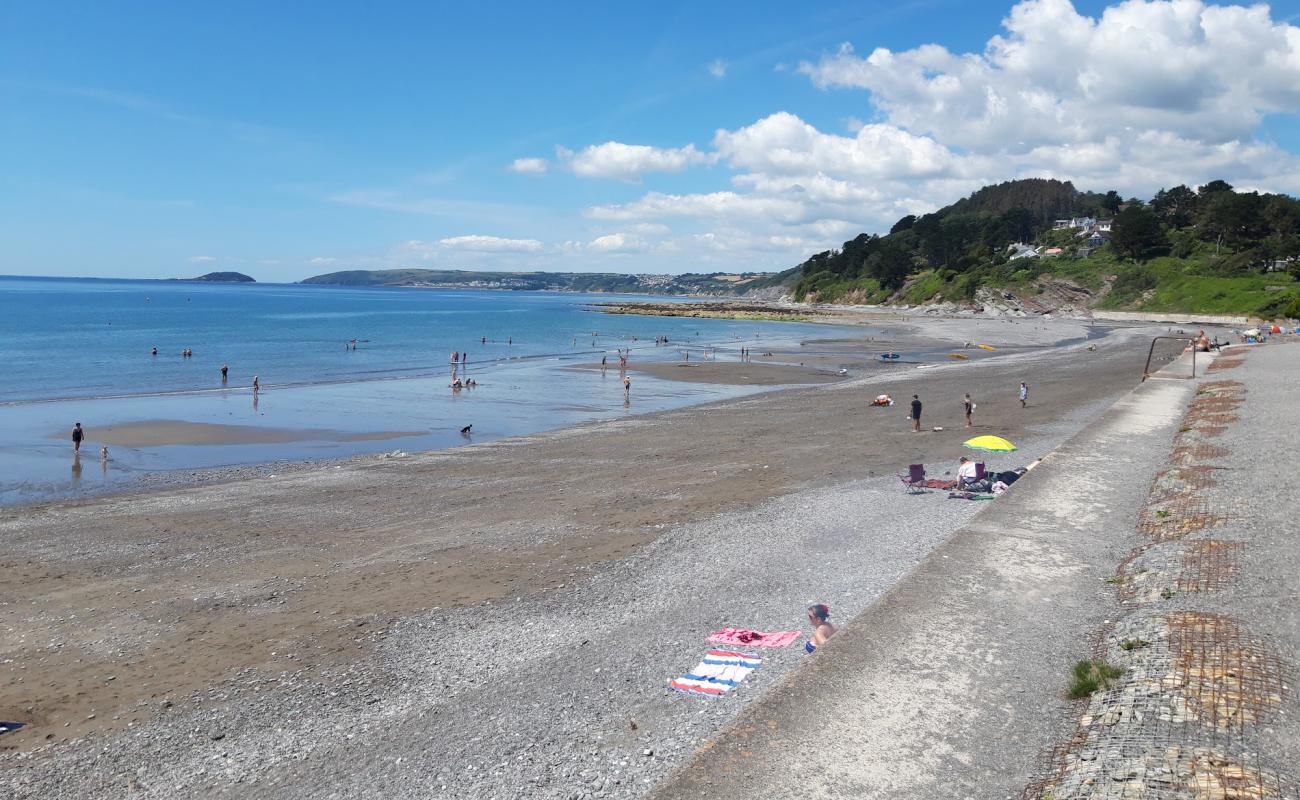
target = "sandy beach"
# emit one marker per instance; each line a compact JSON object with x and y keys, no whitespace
{"x":210,"y":637}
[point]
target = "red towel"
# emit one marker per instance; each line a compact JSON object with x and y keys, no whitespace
{"x":754,"y":638}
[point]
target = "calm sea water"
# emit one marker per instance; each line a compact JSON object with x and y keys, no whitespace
{"x":79,"y":350}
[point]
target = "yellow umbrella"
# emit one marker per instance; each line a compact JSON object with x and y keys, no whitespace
{"x":993,"y":444}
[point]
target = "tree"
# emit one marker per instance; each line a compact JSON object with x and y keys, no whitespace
{"x":892,"y":262}
{"x":1175,"y":207}
{"x":1230,"y":218}
{"x":1136,"y":233}
{"x":904,"y":224}
{"x":1214,"y":187}
{"x":1112,"y":201}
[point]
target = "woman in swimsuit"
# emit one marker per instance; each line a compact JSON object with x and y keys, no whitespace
{"x":819,"y":614}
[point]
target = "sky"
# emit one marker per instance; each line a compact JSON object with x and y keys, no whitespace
{"x":289,"y":139}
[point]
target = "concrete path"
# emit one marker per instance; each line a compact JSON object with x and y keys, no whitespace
{"x":952,"y":684}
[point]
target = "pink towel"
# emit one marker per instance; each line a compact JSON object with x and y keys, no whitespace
{"x":754,"y":638}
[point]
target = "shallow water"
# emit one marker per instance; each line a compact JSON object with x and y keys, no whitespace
{"x":79,"y":350}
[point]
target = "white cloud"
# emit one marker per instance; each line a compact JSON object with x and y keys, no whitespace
{"x":530,"y":166}
{"x":628,"y":162}
{"x":322,"y":261}
{"x":784,"y":144}
{"x":616,"y":243}
{"x":1059,"y":77}
{"x":491,"y":244}
{"x":201,"y":259}
{"x":718,"y":68}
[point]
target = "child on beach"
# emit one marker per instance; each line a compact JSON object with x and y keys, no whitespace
{"x":1024,"y":394}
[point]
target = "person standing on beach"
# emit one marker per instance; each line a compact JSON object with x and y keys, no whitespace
{"x":627,"y":387}
{"x":77,"y":435}
{"x":604,"y":362}
{"x":968,"y":406}
{"x":256,"y":385}
{"x":225,"y":369}
{"x":1024,"y":394}
{"x":916,"y":413}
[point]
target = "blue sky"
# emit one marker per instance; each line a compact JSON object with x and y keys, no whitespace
{"x":289,"y":139}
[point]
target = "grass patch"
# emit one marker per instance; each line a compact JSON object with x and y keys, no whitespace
{"x":1133,"y":644}
{"x":1113,"y":579}
{"x":1089,"y":676}
{"x":1167,"y":593}
{"x":1161,"y":514}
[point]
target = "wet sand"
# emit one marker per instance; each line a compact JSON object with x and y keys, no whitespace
{"x":162,"y":432}
{"x":730,"y":373}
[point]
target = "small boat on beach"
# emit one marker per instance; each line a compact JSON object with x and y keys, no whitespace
{"x":890,"y":356}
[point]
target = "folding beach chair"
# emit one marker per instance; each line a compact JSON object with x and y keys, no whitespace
{"x":914,"y":480}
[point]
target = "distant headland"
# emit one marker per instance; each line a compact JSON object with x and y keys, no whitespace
{"x":221,"y":277}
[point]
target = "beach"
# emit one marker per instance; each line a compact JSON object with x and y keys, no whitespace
{"x":490,"y":615}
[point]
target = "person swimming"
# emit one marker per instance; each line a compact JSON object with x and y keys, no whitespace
{"x":819,"y":614}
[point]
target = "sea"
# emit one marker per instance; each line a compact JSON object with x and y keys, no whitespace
{"x":81,"y":350}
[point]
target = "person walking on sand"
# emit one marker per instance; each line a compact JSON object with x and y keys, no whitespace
{"x":1024,"y":394}
{"x":257,"y":386}
{"x":77,"y":435}
{"x":916,"y":413}
{"x":968,"y":406}
{"x":604,"y":362}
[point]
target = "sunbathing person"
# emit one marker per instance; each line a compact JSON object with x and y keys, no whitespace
{"x":966,"y":471}
{"x":819,"y":614}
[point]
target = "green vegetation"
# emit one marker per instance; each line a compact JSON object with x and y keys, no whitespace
{"x":1133,"y":644}
{"x":1089,"y":676}
{"x":1212,"y":250}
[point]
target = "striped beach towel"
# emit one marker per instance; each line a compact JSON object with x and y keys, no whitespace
{"x":717,"y":673}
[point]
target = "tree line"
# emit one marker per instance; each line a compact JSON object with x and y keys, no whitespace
{"x":1244,"y":231}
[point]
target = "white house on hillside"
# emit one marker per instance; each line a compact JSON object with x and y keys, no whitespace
{"x":1020,"y":250}
{"x":1074,"y":223}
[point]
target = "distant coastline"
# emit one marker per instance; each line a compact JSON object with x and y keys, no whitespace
{"x":219,"y":277}
{"x":764,"y":285}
